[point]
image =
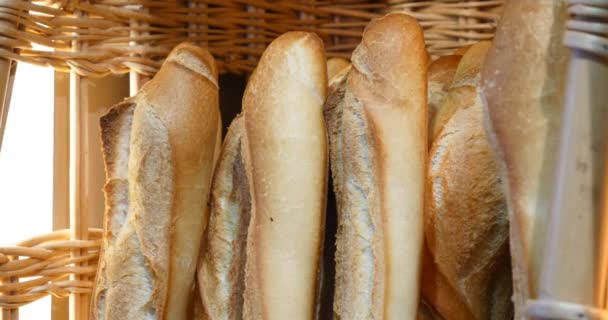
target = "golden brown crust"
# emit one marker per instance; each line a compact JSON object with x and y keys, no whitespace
{"x":523,"y":84}
{"x":440,"y":74}
{"x":466,"y":219}
{"x":443,"y":69}
{"x":376,"y":118}
{"x":285,"y":153}
{"x":193,"y":134}
{"x":463,"y":88}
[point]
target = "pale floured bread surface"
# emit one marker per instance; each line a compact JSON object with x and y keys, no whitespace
{"x":285,"y":151}
{"x":523,"y":85}
{"x":359,"y":244}
{"x":147,"y":267}
{"x":376,"y":118}
{"x":116,"y":137}
{"x":466,"y":218}
{"x":221,"y":274}
{"x":136,"y":253}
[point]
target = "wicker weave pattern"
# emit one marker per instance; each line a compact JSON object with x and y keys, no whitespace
{"x":42,"y":265}
{"x":99,"y":37}
{"x":449,"y":25}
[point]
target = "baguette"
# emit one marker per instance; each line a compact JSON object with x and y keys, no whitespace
{"x":158,"y":149}
{"x":376,"y":118}
{"x":221,"y":273}
{"x":466,"y":222}
{"x":285,"y":150}
{"x":524,"y":104}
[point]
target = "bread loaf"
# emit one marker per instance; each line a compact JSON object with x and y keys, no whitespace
{"x":466,"y":222}
{"x":376,"y":118}
{"x":285,"y":150}
{"x":523,"y":85}
{"x":464,"y":85}
{"x":221,"y":273}
{"x":159,"y":150}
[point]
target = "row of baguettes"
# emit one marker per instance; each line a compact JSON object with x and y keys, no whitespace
{"x":242,"y":223}
{"x":375,"y":115}
{"x":261,"y":254}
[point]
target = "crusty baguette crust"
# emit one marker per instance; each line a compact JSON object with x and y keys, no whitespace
{"x":285,"y":152}
{"x":147,"y":267}
{"x":376,"y":118}
{"x":221,"y":273}
{"x":523,"y":83}
{"x":464,"y":86}
{"x":466,"y":223}
{"x":115,"y":139}
{"x":359,"y":241}
{"x":440,"y":75}
{"x":443,"y":69}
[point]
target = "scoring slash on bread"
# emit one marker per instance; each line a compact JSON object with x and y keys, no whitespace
{"x":466,"y":221}
{"x":376,"y":118}
{"x":523,"y":83}
{"x":159,"y":150}
{"x":285,"y":150}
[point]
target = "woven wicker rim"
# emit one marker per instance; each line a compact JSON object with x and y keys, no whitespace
{"x":96,"y":38}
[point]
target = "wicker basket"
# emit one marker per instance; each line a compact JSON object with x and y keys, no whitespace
{"x":49,"y":259}
{"x":100,"y":37}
